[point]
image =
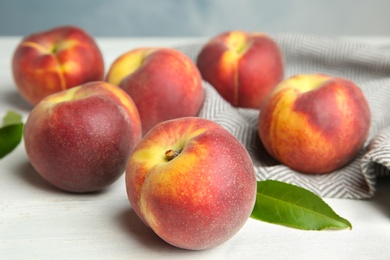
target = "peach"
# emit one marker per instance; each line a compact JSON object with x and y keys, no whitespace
{"x":243,"y":67}
{"x":314,"y":123}
{"x":50,"y":61}
{"x":80,"y":139}
{"x":164,"y":84}
{"x":192,"y":182}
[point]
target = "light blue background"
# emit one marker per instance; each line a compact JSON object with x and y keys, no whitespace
{"x":197,"y":17}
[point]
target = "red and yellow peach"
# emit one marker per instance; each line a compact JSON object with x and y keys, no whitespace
{"x":80,"y":139}
{"x":192,"y":182}
{"x":51,"y":61}
{"x":314,"y":123}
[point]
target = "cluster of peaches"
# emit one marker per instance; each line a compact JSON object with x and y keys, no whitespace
{"x":187,"y":178}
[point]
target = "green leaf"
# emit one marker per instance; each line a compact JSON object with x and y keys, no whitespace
{"x":12,"y":118}
{"x":10,"y":133}
{"x":289,"y":205}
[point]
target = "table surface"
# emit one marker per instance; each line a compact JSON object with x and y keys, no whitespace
{"x":39,"y":222}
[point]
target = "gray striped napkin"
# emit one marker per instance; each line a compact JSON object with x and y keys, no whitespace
{"x":367,"y":66}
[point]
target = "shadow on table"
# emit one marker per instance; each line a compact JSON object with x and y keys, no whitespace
{"x":28,"y":174}
{"x":14,"y":99}
{"x":382,"y":194}
{"x":132,"y":224}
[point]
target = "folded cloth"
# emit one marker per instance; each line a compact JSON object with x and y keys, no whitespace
{"x":366,"y":65}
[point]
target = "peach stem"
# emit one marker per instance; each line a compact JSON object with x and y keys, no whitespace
{"x":171,"y":154}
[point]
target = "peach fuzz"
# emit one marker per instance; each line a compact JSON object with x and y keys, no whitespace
{"x":54,"y":60}
{"x":315,"y":123}
{"x":80,"y":139}
{"x":192,"y":182}
{"x":243,"y":67}
{"x":164,"y":84}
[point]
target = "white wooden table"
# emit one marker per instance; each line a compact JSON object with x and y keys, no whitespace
{"x":40,"y":222}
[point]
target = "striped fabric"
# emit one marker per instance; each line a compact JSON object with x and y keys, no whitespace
{"x":367,"y":66}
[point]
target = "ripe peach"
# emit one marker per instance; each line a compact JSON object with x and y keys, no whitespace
{"x":164,"y":84}
{"x":242,"y":67}
{"x":314,"y":123}
{"x":79,"y":139}
{"x":192,"y":182}
{"x":54,"y":60}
